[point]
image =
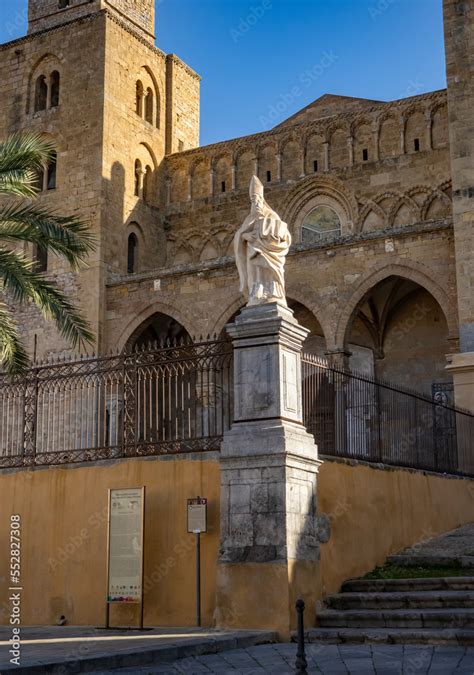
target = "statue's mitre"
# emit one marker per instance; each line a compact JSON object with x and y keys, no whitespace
{"x":256,"y":187}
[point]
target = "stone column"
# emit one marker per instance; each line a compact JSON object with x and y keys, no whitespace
{"x":278,"y":159}
{"x":211,"y":182}
{"x":49,"y":88}
{"x":233,"y":170}
{"x":168,"y":191}
{"x":303,"y":162}
{"x":326,"y":156}
{"x":402,"y":138}
{"x":190,"y":187}
{"x":429,"y":139}
{"x":269,"y":550}
{"x":350,"y":144}
{"x":376,"y":144}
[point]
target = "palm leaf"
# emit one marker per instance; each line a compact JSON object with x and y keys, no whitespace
{"x":24,"y":284}
{"x":21,"y":157}
{"x":66,"y":236}
{"x":13,"y":356}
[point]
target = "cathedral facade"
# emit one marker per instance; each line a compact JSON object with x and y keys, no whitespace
{"x":377,"y":197}
{"x":365,"y":186}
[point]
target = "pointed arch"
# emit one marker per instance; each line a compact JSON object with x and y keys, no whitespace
{"x":414,"y":271}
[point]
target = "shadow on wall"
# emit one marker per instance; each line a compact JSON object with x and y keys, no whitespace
{"x":134,"y":236}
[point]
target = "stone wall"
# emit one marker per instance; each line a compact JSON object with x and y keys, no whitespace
{"x":75,"y":126}
{"x":138,"y":14}
{"x":329,"y":281}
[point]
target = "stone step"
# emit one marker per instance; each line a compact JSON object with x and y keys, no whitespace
{"x":422,"y":584}
{"x":396,"y":618}
{"x":414,"y":560}
{"x":402,"y":600}
{"x":431,"y":636}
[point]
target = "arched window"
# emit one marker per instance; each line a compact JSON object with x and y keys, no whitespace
{"x":147,"y":185}
{"x":138,"y":176}
{"x":139,"y":99}
{"x":51,"y":174}
{"x":40,"y":256}
{"x":54,"y":89}
{"x":320,"y":224}
{"x":62,"y":4}
{"x":132,"y":253}
{"x":149,"y":106}
{"x":41,"y":93}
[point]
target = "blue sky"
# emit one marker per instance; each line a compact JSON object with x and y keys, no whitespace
{"x":262,"y":60}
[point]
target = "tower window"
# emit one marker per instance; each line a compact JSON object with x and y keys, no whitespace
{"x":40,"y":256}
{"x":62,"y":4}
{"x":223,"y":186}
{"x":269,"y":176}
{"x":180,"y":146}
{"x":132,"y":253}
{"x":54,"y":88}
{"x":41,"y":93}
{"x":365,"y":154}
{"x":315,"y":166}
{"x":51,"y":174}
{"x":416,"y":144}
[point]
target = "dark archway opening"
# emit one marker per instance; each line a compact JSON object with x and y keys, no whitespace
{"x":403,"y":328}
{"x":158,"y":329}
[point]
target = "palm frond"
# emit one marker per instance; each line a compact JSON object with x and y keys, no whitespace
{"x":13,"y":356}
{"x":24,"y":284}
{"x":21,"y":156}
{"x":69,"y":237}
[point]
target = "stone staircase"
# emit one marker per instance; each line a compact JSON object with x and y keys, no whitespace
{"x":436,"y":610}
{"x":421,"y":611}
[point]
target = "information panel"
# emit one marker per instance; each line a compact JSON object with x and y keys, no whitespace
{"x":125,"y":571}
{"x":197,"y":515}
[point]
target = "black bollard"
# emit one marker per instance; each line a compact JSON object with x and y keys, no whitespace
{"x":301,"y":663}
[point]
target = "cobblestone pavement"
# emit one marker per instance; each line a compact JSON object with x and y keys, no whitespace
{"x":327,"y":660}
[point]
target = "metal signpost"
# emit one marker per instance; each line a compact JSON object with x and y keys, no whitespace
{"x":125,"y":544}
{"x":197,"y":524}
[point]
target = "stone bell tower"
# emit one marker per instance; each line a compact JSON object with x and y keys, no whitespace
{"x":89,"y":77}
{"x":459,"y":44}
{"x":138,"y":14}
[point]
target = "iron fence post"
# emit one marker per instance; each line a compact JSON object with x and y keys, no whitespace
{"x":301,"y":663}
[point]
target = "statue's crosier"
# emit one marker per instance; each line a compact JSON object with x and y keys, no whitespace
{"x":261,"y":245}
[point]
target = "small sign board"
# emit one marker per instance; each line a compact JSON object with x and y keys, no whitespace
{"x":125,"y":545}
{"x":197,"y":515}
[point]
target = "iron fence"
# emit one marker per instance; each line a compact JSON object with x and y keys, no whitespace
{"x":167,"y":399}
{"x":352,"y":415}
{"x":178,"y":398}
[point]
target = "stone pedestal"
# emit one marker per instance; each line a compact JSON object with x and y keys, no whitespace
{"x":269,"y":549}
{"x":461,"y":367}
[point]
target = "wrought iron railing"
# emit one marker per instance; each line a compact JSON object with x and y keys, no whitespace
{"x":352,"y":415}
{"x":158,"y":400}
{"x":178,"y":398}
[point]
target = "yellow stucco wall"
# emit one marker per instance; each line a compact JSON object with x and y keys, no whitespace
{"x":64,"y":532}
{"x":376,"y":512}
{"x":373,"y":513}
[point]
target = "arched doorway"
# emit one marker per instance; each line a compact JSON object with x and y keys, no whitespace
{"x":404,"y":329}
{"x":182,"y":387}
{"x":158,"y":329}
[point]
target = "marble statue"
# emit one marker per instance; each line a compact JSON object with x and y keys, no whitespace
{"x":261,"y":245}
